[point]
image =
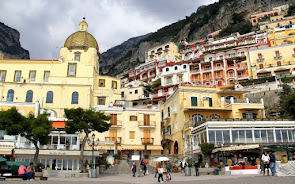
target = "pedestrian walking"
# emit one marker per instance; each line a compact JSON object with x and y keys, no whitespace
{"x":272,"y":161}
{"x":144,"y":168}
{"x":197,"y":168}
{"x":133,"y":169}
{"x":157,"y":167}
{"x":169,"y":169}
{"x":160,"y":172}
{"x":265,"y":159}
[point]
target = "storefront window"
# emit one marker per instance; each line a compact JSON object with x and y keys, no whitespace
{"x":249,"y":137}
{"x":65,"y":164}
{"x":257,"y":136}
{"x":278,"y":136}
{"x":212,"y":137}
{"x":75,"y":165}
{"x":235,"y":136}
{"x":219,"y":137}
{"x":270,"y":136}
{"x":226,"y":137}
{"x":74,"y":140}
{"x":55,"y":140}
{"x":263,"y":136}
{"x":62,"y":140}
{"x":70,"y":161}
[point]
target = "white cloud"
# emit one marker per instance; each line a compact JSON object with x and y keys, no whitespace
{"x":45,"y":25}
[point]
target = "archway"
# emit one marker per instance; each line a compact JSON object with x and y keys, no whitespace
{"x":175,"y":148}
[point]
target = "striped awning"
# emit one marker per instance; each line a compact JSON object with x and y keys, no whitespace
{"x":235,"y":148}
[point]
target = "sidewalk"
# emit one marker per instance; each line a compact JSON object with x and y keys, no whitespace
{"x":127,"y":178}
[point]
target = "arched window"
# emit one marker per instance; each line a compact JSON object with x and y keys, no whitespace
{"x":214,"y":116}
{"x":75,"y":98}
{"x":10,"y":95}
{"x":197,"y":118}
{"x":49,"y":97}
{"x":29,"y":96}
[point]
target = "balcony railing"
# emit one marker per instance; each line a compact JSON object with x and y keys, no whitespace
{"x":219,"y":68}
{"x":146,"y":124}
{"x":147,"y":140}
{"x":116,"y":139}
{"x":29,"y":145}
{"x":206,"y":69}
{"x":117,"y":124}
{"x":278,"y":57}
{"x":260,"y":59}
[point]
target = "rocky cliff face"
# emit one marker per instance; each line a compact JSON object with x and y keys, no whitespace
{"x":10,"y":47}
{"x":205,"y":20}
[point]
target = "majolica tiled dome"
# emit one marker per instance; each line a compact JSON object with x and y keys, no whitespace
{"x":81,"y":39}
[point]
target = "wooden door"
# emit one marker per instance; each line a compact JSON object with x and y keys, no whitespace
{"x":146,"y":120}
{"x":113,"y":135}
{"x":114,"y":119}
{"x":147,"y":136}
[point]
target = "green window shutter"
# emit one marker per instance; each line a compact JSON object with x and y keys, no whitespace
{"x":244,"y":116}
{"x":210,"y":102}
{"x":194,"y":101}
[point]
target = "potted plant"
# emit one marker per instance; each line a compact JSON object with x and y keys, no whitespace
{"x":146,"y":158}
{"x":116,"y":157}
{"x":188,"y":168}
{"x":38,"y":171}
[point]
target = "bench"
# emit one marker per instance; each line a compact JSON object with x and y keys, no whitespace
{"x":14,"y":178}
{"x":37,"y":178}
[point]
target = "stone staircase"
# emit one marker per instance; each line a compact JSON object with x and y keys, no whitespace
{"x":124,"y":167}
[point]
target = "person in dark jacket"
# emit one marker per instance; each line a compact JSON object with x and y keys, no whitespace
{"x":133,"y":169}
{"x":272,"y":163}
{"x":197,"y":168}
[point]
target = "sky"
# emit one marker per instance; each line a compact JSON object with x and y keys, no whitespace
{"x":44,"y":25}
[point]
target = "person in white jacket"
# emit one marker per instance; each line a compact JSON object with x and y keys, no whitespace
{"x":265,"y":159}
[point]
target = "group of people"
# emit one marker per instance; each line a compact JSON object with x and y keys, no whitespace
{"x":28,"y":172}
{"x":143,"y":168}
{"x":269,"y":161}
{"x":160,"y":171}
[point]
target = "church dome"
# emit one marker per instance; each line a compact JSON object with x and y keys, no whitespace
{"x":81,"y":39}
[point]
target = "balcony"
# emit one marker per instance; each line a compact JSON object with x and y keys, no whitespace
{"x":207,"y":69}
{"x":147,"y":140}
{"x":116,"y":139}
{"x":167,"y":136}
{"x":117,"y":124}
{"x":259,"y":60}
{"x":218,"y":68}
{"x":278,"y":57}
{"x":146,"y":124}
{"x":241,"y":77}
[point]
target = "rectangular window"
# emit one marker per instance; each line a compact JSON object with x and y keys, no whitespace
{"x":32,"y":76}
{"x":194,"y":101}
{"x":133,"y":118}
{"x":17,"y":76}
{"x":210,"y":102}
{"x":72,"y":67}
{"x":136,"y":91}
{"x":77,"y":56}
{"x":131,"y":134}
{"x":101,"y":100}
{"x":168,"y":110}
{"x":260,"y":66}
{"x":259,"y":56}
{"x":2,"y":75}
{"x":101,"y":82}
{"x":114,"y":84}
{"x":122,"y":94}
{"x":46,"y":76}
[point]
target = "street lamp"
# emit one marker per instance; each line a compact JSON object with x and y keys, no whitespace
{"x":93,"y":143}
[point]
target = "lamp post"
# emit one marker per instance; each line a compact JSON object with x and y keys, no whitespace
{"x":93,"y":143}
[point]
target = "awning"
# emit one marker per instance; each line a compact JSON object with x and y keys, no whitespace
{"x":282,"y":69}
{"x":6,"y":151}
{"x":151,"y":147}
{"x":263,"y":71}
{"x":58,"y":124}
{"x":235,"y":148}
{"x":132,"y":147}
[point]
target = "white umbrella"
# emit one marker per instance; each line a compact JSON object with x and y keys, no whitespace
{"x":160,"y":159}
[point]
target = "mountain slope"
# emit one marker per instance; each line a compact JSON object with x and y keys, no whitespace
{"x":10,"y":47}
{"x":198,"y":25}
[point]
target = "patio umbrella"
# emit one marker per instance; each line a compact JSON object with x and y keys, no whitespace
{"x":2,"y":159}
{"x":161,"y":159}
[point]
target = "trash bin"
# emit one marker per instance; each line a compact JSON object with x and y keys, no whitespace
{"x":92,"y":173}
{"x":187,"y":171}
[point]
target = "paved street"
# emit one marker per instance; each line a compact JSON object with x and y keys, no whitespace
{"x":176,"y":178}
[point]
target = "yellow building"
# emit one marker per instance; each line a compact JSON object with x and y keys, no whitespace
{"x":190,"y":106}
{"x":273,"y":61}
{"x":71,"y":81}
{"x":277,"y":22}
{"x":134,"y":130}
{"x":281,"y":36}
{"x":166,"y":52}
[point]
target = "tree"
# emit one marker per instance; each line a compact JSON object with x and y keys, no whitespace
{"x":206,"y":149}
{"x":85,"y":121}
{"x":287,"y":102}
{"x":237,"y":18}
{"x":34,"y":129}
